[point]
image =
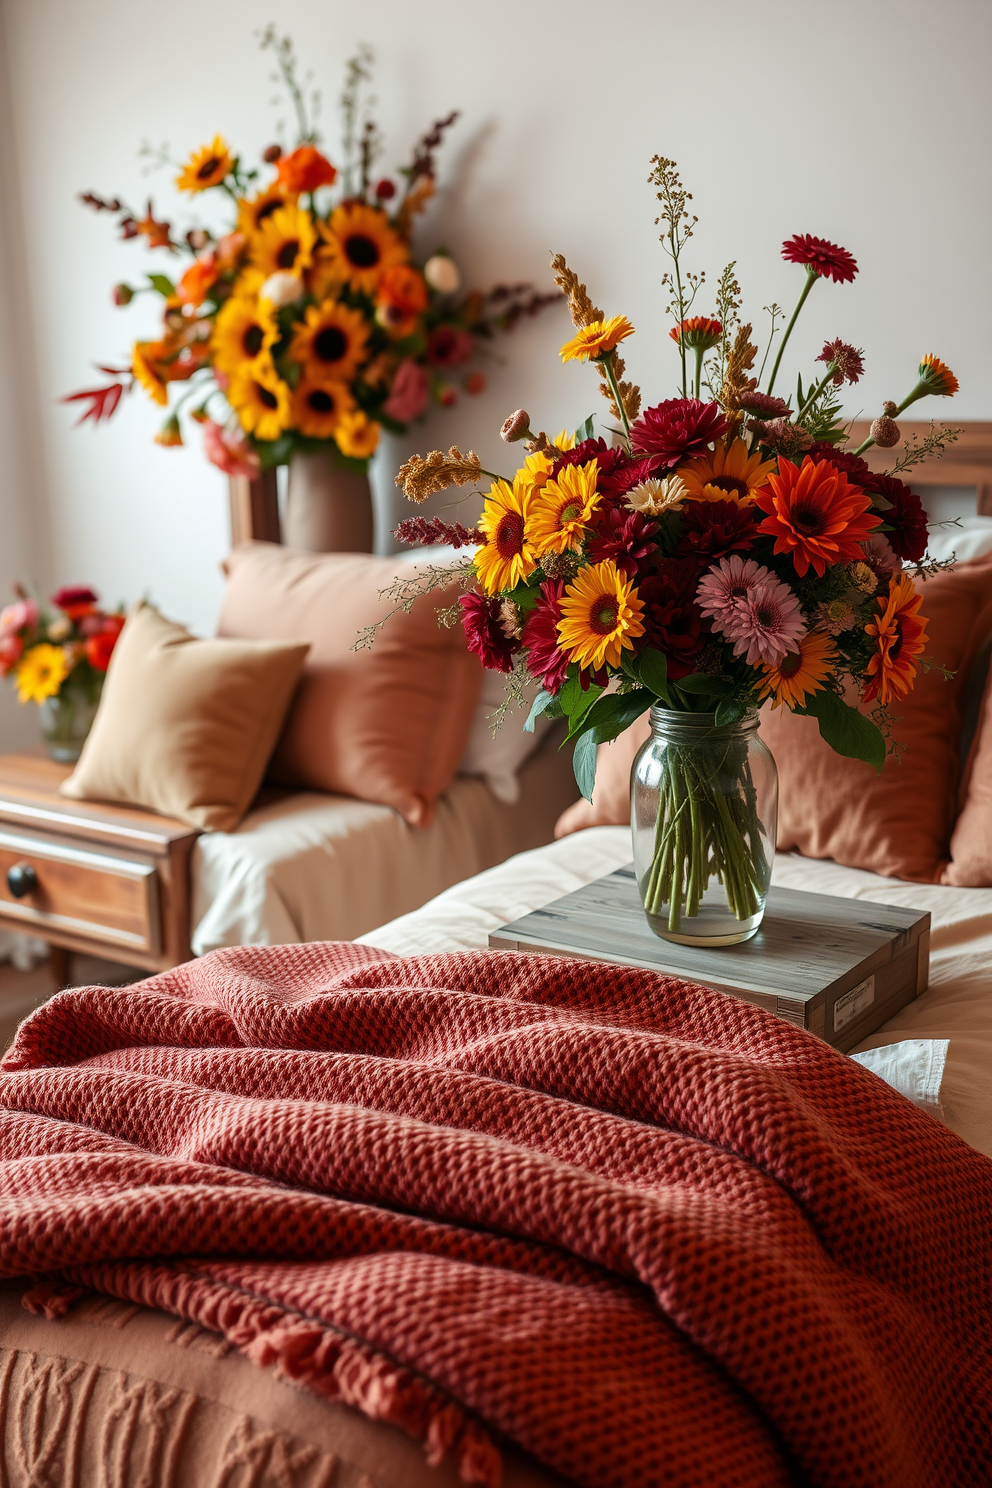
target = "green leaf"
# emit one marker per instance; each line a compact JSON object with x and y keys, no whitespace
{"x":165,"y":286}
{"x":652,"y":672}
{"x":728,"y":712}
{"x":846,"y":730}
{"x":703,"y":686}
{"x":586,"y":430}
{"x":611,"y":715}
{"x":537,"y":707}
{"x":584,"y":764}
{"x":576,"y":703}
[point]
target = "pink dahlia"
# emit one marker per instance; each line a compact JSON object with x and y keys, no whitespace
{"x":486,"y":637}
{"x":767,"y":624}
{"x":848,"y":361}
{"x":545,"y":661}
{"x":22,"y":613}
{"x":409,"y":394}
{"x":677,"y":429}
{"x":727,"y":585}
{"x":822,"y":258}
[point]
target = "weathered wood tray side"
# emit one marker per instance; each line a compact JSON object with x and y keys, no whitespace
{"x":836,"y":967}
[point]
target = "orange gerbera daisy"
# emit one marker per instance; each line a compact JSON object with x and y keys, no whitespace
{"x":401,"y":298}
{"x":361,"y":245}
{"x":725,"y":474}
{"x":318,"y":407}
{"x":900,"y":633}
{"x":938,"y":376}
{"x":562,"y":508}
{"x":284,"y":242}
{"x":207,"y":167}
{"x":331,"y":341}
{"x":800,"y":672}
{"x":596,"y":339}
{"x":600,"y":616}
{"x":815,"y":514}
{"x":506,"y":557}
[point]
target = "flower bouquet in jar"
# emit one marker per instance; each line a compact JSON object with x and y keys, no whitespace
{"x":58,"y":659}
{"x":723,"y":548}
{"x":303,"y":323}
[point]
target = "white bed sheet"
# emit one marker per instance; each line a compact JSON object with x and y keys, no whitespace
{"x":957,"y":1005}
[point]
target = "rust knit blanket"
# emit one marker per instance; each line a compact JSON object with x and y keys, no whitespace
{"x":650,"y":1234}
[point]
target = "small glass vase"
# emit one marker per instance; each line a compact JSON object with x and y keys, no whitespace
{"x":703,"y":813}
{"x":65,"y":721}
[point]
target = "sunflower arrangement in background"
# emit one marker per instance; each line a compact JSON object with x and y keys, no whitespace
{"x":716,"y":553}
{"x":307,"y":323}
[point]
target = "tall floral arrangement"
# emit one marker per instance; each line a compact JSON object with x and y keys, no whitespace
{"x":305,"y":322}
{"x":724,"y":547}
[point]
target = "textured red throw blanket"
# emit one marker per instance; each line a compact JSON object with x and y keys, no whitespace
{"x":646,"y":1232}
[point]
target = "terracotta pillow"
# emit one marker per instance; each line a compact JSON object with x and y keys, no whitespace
{"x":386,"y":724}
{"x":610,"y":806}
{"x":185,"y":727}
{"x":971,"y":840}
{"x":898,"y":823}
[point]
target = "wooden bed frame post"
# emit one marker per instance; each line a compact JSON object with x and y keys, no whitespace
{"x":254,"y":508}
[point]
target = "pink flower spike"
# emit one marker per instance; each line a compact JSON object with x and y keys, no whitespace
{"x":766,"y":625}
{"x":727,"y":585}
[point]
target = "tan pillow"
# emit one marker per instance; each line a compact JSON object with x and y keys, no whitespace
{"x":610,"y":805}
{"x":387,"y":723}
{"x":185,"y":727}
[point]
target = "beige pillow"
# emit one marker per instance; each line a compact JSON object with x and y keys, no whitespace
{"x":185,"y":727}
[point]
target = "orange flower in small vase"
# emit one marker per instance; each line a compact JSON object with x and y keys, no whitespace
{"x":900,"y":634}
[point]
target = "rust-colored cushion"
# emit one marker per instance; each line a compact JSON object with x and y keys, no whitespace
{"x":387,"y":723}
{"x":971,"y":841}
{"x":186,"y":727}
{"x":898,"y":823}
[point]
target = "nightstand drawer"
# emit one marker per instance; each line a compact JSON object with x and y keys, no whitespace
{"x":75,"y":890}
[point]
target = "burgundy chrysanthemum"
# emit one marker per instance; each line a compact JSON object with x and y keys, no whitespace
{"x":762,"y":405}
{"x":905,"y":516}
{"x":853,"y":466}
{"x":711,"y":529}
{"x":824,"y":259}
{"x":848,"y":361}
{"x":74,"y":597}
{"x":624,"y":478}
{"x":589,"y":449}
{"x":486,"y":639}
{"x":672,"y":619}
{"x":545,"y":661}
{"x":624,"y":536}
{"x":677,"y":429}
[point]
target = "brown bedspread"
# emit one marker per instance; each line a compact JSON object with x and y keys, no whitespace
{"x":647,"y":1233}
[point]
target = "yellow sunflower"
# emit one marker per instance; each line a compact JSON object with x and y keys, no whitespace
{"x":260,"y":398}
{"x":506,"y":557}
{"x":319,"y":406}
{"x":331,"y":342}
{"x":245,"y":329}
{"x":145,"y":364}
{"x":284,"y":242}
{"x":801,"y":672}
{"x":596,"y":339}
{"x":600,"y":616}
{"x":562,"y":508}
{"x":357,"y":435}
{"x":206,"y":167}
{"x":361,"y":245}
{"x":253,"y":211}
{"x":726,"y":474}
{"x":40,"y":673}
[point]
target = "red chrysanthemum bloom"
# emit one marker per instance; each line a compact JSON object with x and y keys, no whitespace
{"x":486,"y":639}
{"x":814,"y":514}
{"x":677,"y":429}
{"x":75,"y":600}
{"x":698,"y":333}
{"x":624,"y":477}
{"x":711,"y":529}
{"x":673,"y":622}
{"x":763,"y":405}
{"x":823,"y":259}
{"x":625,"y":536}
{"x":852,"y":465}
{"x":849,"y":363}
{"x":606,"y":458}
{"x":545,"y":660}
{"x":904,"y":516}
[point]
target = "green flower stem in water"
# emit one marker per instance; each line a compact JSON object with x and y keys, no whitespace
{"x":704,"y":832}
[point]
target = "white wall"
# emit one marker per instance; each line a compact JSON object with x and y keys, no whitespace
{"x":864,"y":122}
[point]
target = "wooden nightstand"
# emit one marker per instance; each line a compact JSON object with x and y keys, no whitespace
{"x":109,"y":880}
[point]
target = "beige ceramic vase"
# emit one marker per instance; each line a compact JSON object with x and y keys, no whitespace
{"x":328,"y":507}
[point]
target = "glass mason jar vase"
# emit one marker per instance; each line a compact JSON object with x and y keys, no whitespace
{"x":703,"y":812}
{"x":65,"y":721}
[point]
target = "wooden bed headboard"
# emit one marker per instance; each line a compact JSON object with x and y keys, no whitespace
{"x":968,"y":462}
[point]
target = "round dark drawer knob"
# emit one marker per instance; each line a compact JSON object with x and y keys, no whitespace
{"x":21,"y":880}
